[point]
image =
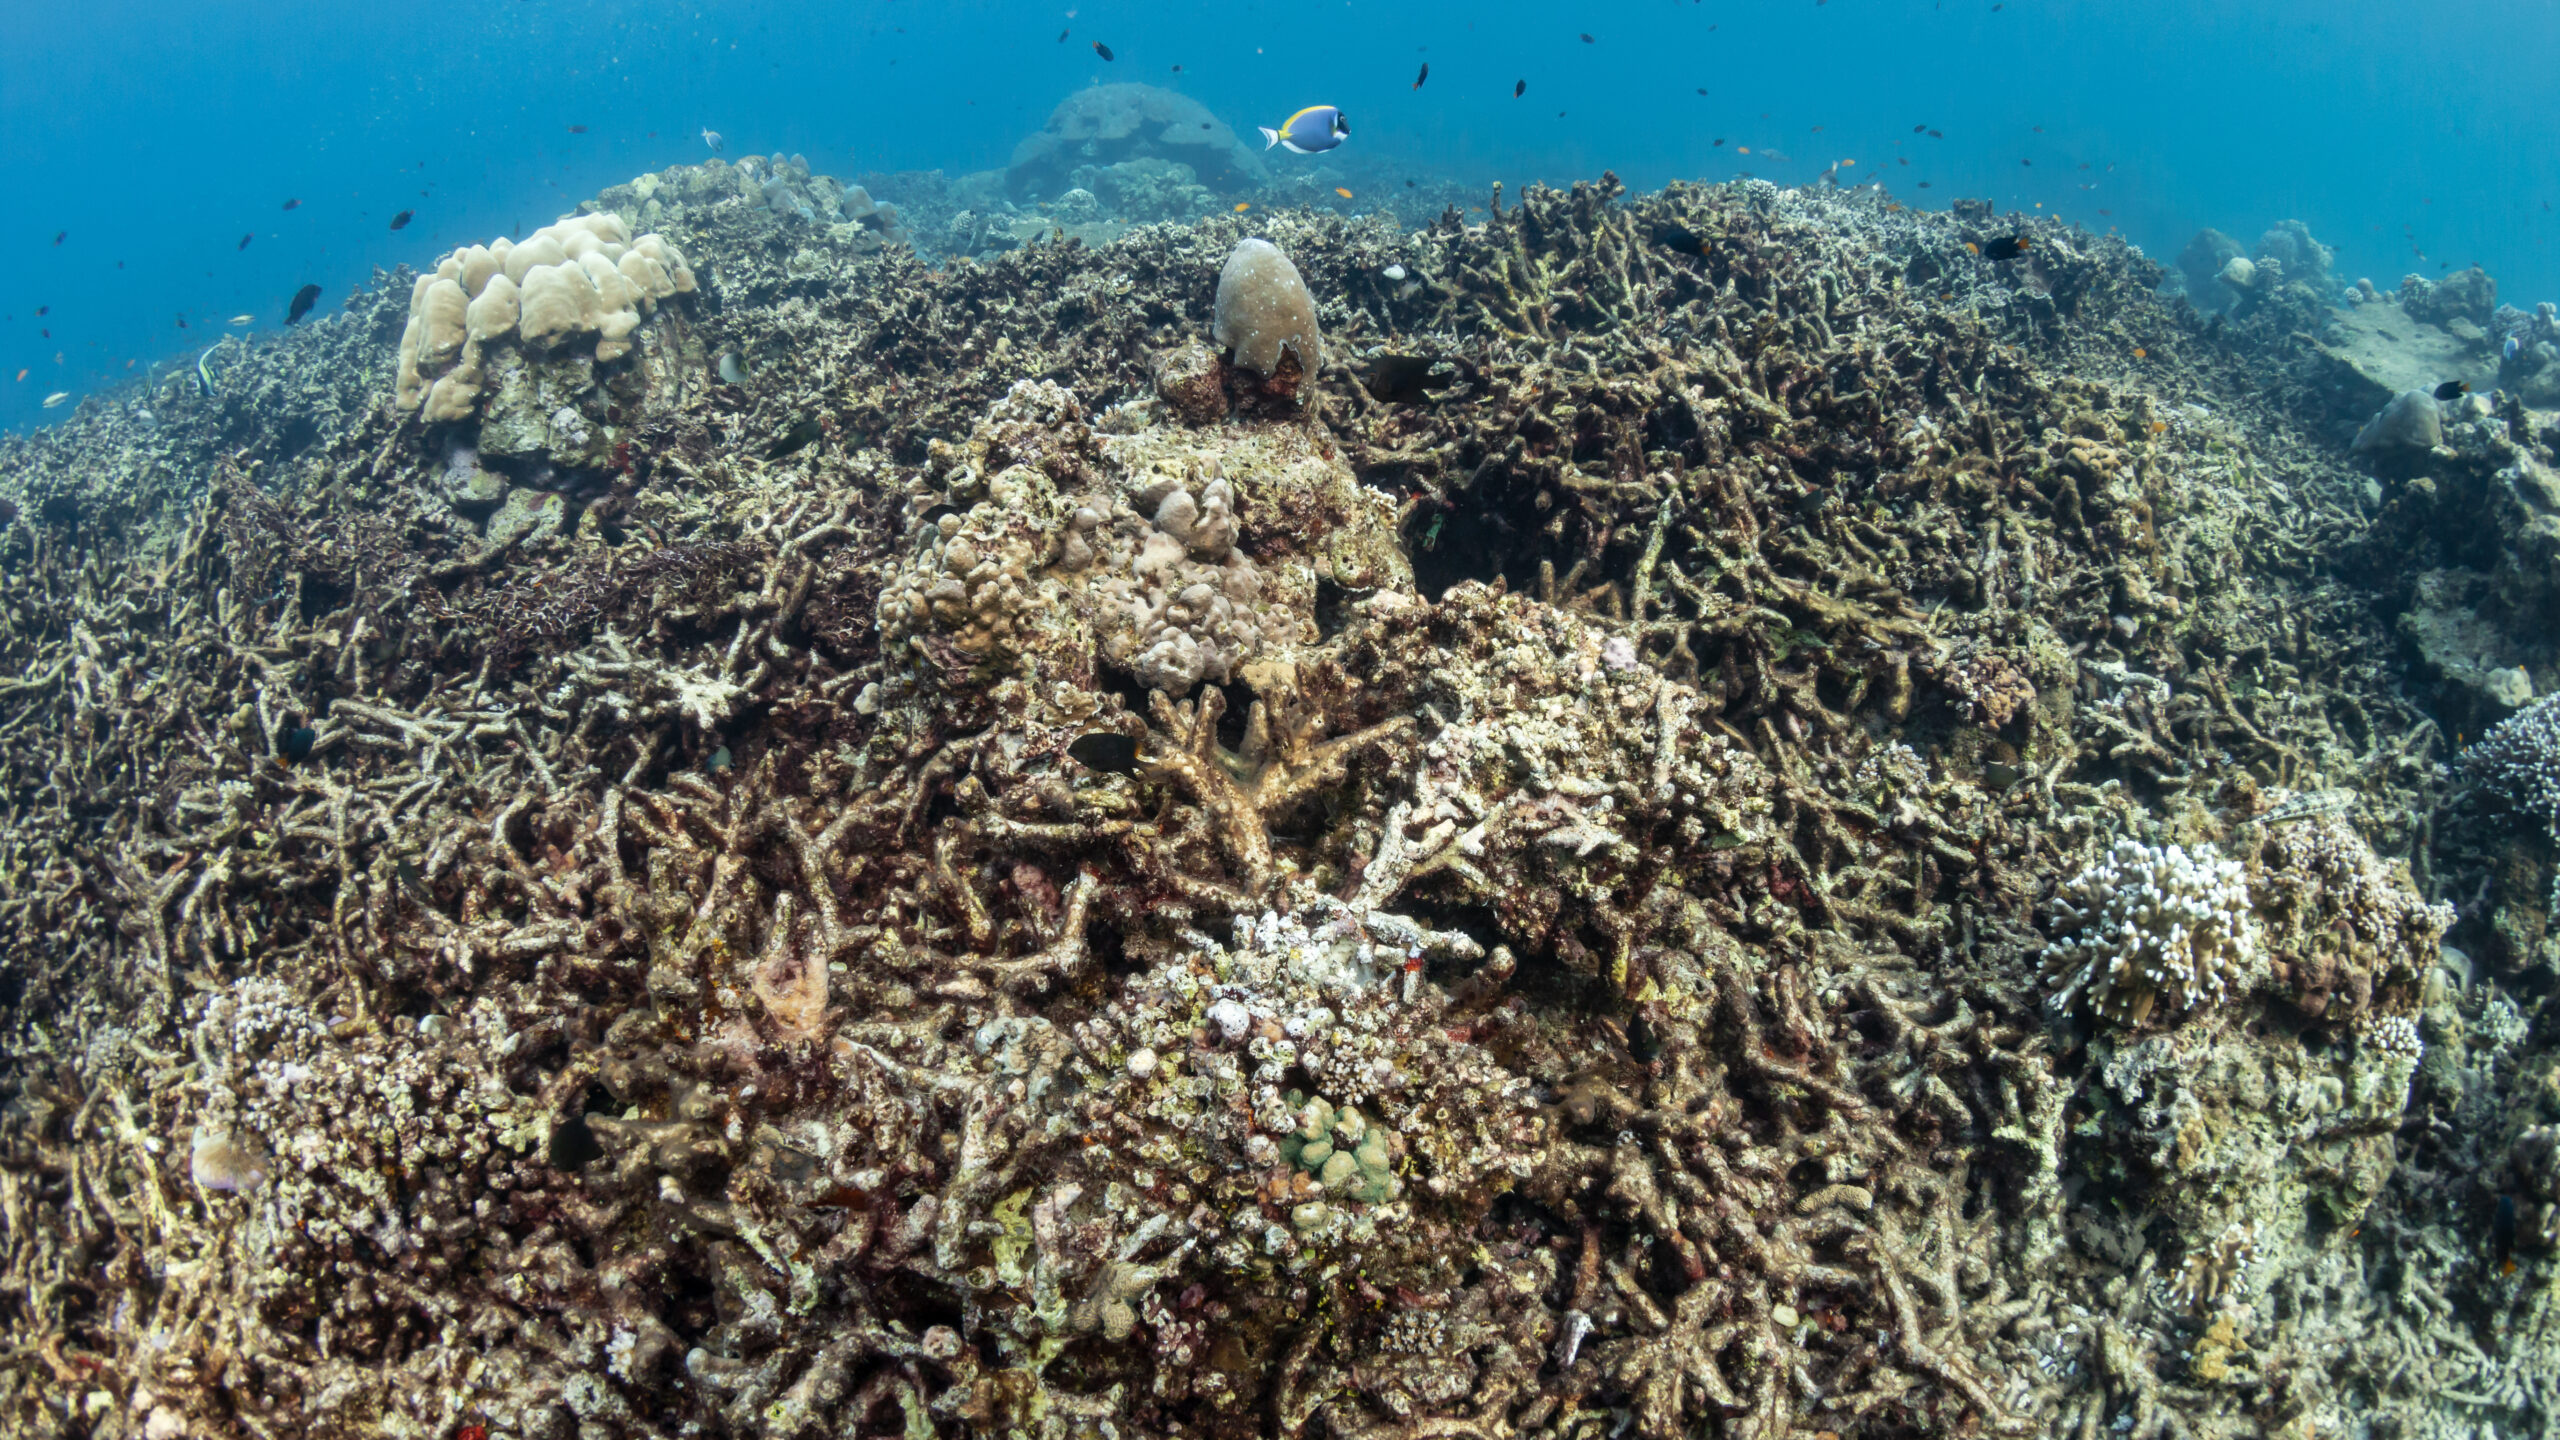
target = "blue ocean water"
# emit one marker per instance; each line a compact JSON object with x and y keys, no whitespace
{"x":141,"y":140}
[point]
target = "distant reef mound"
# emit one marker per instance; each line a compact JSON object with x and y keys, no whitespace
{"x":1109,"y":124}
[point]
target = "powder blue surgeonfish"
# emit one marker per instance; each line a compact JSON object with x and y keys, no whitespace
{"x":1311,"y":131}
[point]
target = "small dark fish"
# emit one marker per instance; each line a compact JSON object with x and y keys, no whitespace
{"x":1924,"y":184}
{"x":293,"y":204}
{"x":804,"y":432}
{"x":1587,"y":40}
{"x":573,"y":1145}
{"x":1680,"y":238}
{"x":1702,"y":89}
{"x":1110,"y":753}
{"x":577,"y":129}
{"x":412,"y":881}
{"x":2502,"y":1236}
{"x":61,"y":235}
{"x":1062,"y":37}
{"x":2007,"y":247}
{"x":43,"y":310}
{"x":303,"y":300}
{"x":1103,"y":50}
{"x":294,"y":744}
{"x":182,"y":322}
{"x":1402,"y":379}
{"x":244,"y":241}
{"x":1425,"y":75}
{"x":1919,"y":129}
{"x":401,"y":220}
{"x":1520,"y":89}
{"x":1937,"y":134}
{"x":1644,"y":1041}
{"x":2453,"y":389}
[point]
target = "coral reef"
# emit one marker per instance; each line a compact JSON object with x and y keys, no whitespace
{"x":2302,"y":258}
{"x":934,"y":873}
{"x":781,"y":184}
{"x":2410,"y":422}
{"x":2201,"y":265}
{"x":1147,"y":188}
{"x":1266,"y":319}
{"x":1110,"y":125}
{"x":2468,"y":297}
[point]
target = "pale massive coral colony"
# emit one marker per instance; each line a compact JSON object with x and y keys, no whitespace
{"x":1687,"y":814}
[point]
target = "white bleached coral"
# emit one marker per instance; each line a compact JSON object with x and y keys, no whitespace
{"x":577,"y":277}
{"x":2152,"y":925}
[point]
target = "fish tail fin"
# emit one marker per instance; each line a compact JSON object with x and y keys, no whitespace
{"x":1270,"y":135}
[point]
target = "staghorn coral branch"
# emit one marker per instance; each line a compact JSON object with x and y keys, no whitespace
{"x":1276,"y":769}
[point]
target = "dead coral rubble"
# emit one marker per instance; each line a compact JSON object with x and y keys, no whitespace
{"x":1562,"y":958}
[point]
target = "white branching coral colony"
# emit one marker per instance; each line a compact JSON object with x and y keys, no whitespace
{"x":2147,"y":925}
{"x":579,"y":276}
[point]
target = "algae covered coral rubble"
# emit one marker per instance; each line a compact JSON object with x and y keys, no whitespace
{"x":927,"y":852}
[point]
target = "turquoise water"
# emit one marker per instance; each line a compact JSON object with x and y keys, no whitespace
{"x":154,"y":136}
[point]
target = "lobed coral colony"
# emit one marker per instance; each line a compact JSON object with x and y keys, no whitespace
{"x":583,"y":276}
{"x":1305,"y":826}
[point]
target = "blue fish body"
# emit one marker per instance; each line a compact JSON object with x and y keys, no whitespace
{"x":2513,"y":348}
{"x":1311,"y":131}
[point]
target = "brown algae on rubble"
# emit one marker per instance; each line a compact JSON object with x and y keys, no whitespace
{"x":1795,"y":848}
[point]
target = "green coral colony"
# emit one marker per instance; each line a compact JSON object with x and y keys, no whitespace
{"x":1347,"y":1155}
{"x":1442,"y":822}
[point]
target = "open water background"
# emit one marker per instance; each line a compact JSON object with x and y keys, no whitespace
{"x":157,"y":133}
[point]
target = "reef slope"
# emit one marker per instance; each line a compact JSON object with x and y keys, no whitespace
{"x":1645,"y":889}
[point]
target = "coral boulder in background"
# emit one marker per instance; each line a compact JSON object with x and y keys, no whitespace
{"x":1110,"y":124}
